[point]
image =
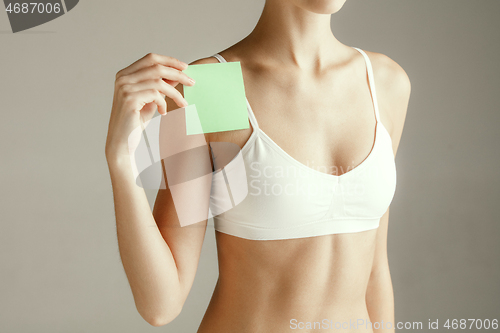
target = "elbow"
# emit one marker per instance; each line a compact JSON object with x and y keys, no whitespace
{"x":161,"y":308}
{"x":163,"y":313}
{"x":164,"y":318}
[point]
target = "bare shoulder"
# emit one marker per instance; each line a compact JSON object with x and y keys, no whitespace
{"x":392,"y":83}
{"x":393,"y":92}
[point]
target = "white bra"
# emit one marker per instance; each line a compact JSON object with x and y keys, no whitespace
{"x":288,"y":199}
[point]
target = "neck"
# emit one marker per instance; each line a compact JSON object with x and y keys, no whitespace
{"x":293,"y":36}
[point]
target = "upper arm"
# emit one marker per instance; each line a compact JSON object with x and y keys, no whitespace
{"x":393,"y":92}
{"x":185,"y":242}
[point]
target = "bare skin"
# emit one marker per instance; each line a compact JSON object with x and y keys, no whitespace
{"x":298,"y":75}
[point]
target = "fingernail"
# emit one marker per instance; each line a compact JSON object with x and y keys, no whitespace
{"x":184,"y":64}
{"x":192,"y":81}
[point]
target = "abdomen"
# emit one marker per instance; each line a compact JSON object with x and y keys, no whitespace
{"x":265,"y":285}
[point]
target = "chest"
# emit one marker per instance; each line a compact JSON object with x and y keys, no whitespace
{"x":325,"y":122}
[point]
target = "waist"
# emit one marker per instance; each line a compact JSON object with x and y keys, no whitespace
{"x":309,"y":285}
{"x":304,"y":309}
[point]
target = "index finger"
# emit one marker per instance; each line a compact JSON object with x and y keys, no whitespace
{"x":153,"y":59}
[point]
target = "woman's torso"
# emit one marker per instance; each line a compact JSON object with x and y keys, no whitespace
{"x":275,"y":285}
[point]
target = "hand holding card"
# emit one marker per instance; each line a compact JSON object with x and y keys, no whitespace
{"x":217,"y":99}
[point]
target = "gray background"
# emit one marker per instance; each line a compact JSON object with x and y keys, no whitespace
{"x":60,"y":266}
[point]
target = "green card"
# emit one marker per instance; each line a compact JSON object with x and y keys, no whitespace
{"x":218,"y":97}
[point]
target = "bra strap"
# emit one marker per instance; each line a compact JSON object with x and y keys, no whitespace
{"x":219,"y":57}
{"x":371,"y":81}
{"x":251,"y":115}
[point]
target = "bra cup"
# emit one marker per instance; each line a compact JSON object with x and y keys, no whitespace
{"x":282,"y":194}
{"x":373,"y":189}
{"x":288,"y":196}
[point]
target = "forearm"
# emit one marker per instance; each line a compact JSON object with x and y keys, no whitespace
{"x":380,"y":300}
{"x":146,"y":257}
